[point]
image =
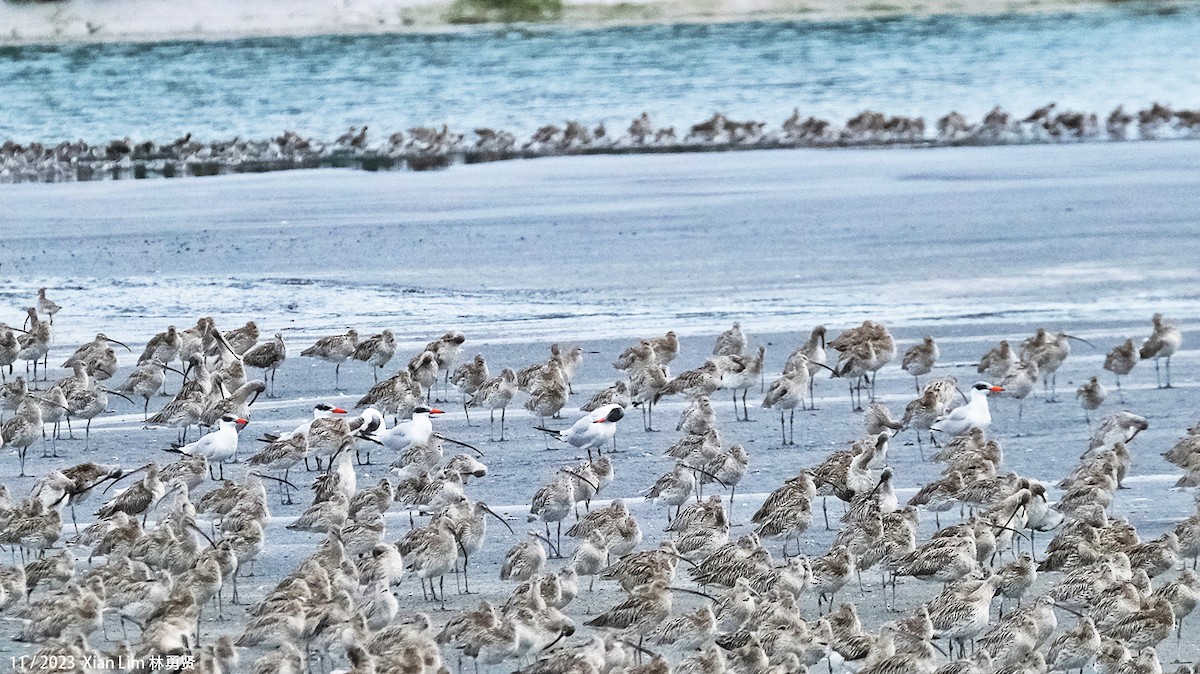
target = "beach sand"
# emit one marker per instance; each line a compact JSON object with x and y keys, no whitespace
{"x":970,"y":245}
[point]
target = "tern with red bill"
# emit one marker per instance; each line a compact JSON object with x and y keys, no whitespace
{"x":974,"y":414}
{"x":591,"y":431}
{"x":409,"y":433}
{"x":219,"y":446}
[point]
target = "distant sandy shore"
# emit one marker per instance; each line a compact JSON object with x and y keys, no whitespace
{"x":82,"y":21}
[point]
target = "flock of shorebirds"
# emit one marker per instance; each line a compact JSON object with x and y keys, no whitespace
{"x":422,"y":148}
{"x":170,"y":540}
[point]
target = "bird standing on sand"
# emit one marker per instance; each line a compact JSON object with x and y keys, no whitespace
{"x":591,"y":431}
{"x":46,"y":305}
{"x":1091,"y":396}
{"x":920,"y":359}
{"x":1121,"y":361}
{"x":334,"y":349}
{"x":220,"y":446}
{"x":376,"y":350}
{"x":1162,"y":343}
{"x":732,"y":342}
{"x":974,"y":414}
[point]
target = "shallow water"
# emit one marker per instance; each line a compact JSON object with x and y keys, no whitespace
{"x":519,"y":79}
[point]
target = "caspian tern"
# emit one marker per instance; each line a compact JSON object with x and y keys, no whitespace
{"x":592,"y":430}
{"x":974,"y":414}
{"x":415,"y":431}
{"x":218,"y":447}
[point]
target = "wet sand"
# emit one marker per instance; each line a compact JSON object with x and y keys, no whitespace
{"x":968,"y":245}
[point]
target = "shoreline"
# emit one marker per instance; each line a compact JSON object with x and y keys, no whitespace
{"x":133,"y":21}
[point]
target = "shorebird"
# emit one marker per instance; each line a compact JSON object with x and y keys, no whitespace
{"x":732,"y":342}
{"x":702,"y":381}
{"x":137,"y":499}
{"x":974,"y":414}
{"x":445,"y":349}
{"x":146,"y":380}
{"x":996,"y":363}
{"x":920,"y":359}
{"x":1162,"y":343}
{"x":525,"y":560}
{"x":1091,"y":396}
{"x":673,"y":488}
{"x":9,"y":348}
{"x":376,"y":351}
{"x":740,"y":372}
{"x":553,"y":502}
{"x":547,"y":392}
{"x":809,"y":355}
{"x":23,"y":429}
{"x":431,"y":552}
{"x":1019,"y":382}
{"x":496,"y":394}
{"x":46,"y":305}
{"x":1121,"y":361}
{"x":591,"y":431}
{"x":220,"y":446}
{"x":1049,"y":351}
{"x":35,"y":344}
{"x":268,"y":356}
{"x":642,"y":613}
{"x":469,"y":378}
{"x":334,"y":349}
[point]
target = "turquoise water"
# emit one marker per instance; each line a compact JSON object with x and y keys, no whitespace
{"x":520,"y":79}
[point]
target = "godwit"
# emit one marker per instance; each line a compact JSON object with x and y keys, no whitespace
{"x":9,"y":348}
{"x":591,"y":431}
{"x":268,"y":356}
{"x":1162,"y":343}
{"x":920,"y":359}
{"x":996,"y":363}
{"x":240,"y":340}
{"x":646,"y":383}
{"x":810,"y":355}
{"x":1121,"y":361}
{"x":732,"y":342}
{"x":35,"y":344}
{"x":236,"y":403}
{"x":701,"y":381}
{"x":397,"y":395}
{"x":785,"y":394}
{"x":727,"y":468}
{"x":1049,"y":351}
{"x":617,"y":393}
{"x":1019,"y":382}
{"x":526,"y":559}
{"x":376,"y":351}
{"x":23,"y":429}
{"x":830,"y":573}
{"x":786,"y":522}
{"x":469,"y":378}
{"x":643,"y":612}
{"x":46,"y":305}
{"x":673,"y":488}
{"x":740,"y":372}
{"x":445,"y":349}
{"x":1075,"y":648}
{"x":281,"y":455}
{"x":431,"y":553}
{"x":334,"y":349}
{"x":496,"y":394}
{"x":974,"y":414}
{"x":147,"y":380}
{"x":552,"y":503}
{"x":139,"y":498}
{"x":698,"y":417}
{"x":547,"y":391}
{"x":1091,"y":396}
{"x":960,"y":617}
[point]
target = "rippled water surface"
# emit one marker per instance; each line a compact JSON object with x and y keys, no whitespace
{"x":519,"y":79}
